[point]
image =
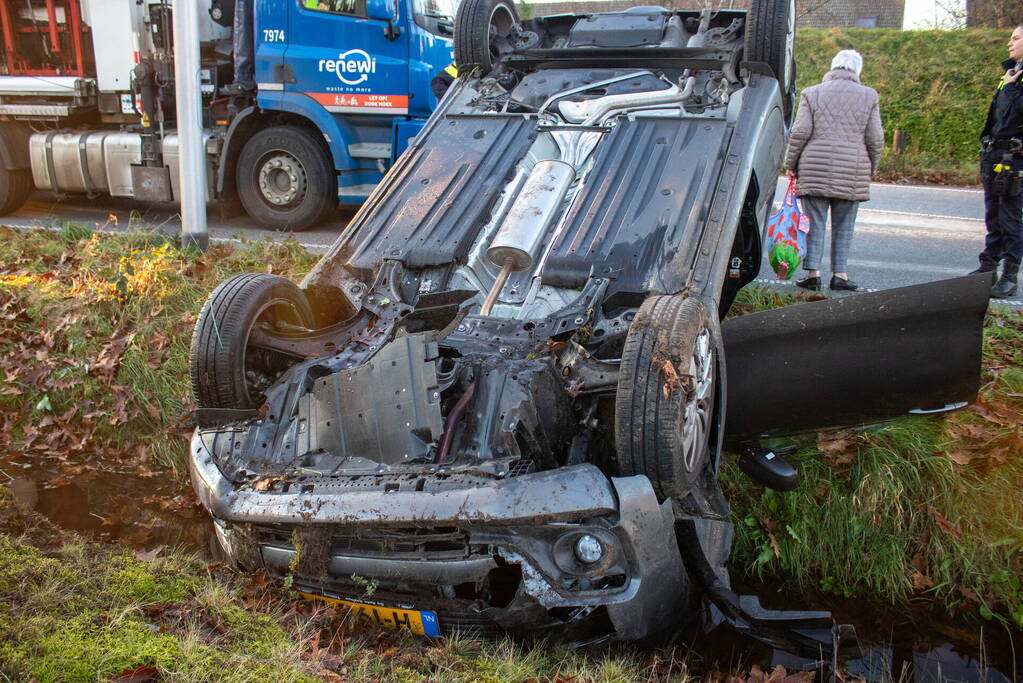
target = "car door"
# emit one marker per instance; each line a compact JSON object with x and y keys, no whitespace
{"x":347,"y":62}
{"x":856,"y":359}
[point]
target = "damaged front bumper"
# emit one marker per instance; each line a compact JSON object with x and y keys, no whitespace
{"x":554,"y":549}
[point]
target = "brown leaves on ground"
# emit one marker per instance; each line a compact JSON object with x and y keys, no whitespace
{"x":770,"y":528}
{"x":946,"y":526}
{"x":988,"y":442}
{"x":778,"y":674}
{"x":918,"y":574}
{"x":109,"y":359}
{"x":839,"y":448}
{"x":67,"y":419}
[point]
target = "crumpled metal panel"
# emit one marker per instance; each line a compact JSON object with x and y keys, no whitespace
{"x":387,"y":410}
{"x":663,"y":595}
{"x":433,"y":212}
{"x":557,"y":495}
{"x":644,"y":201}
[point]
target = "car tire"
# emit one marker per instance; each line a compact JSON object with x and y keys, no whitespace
{"x":225,"y":372}
{"x":665,"y":403}
{"x":286,"y":179}
{"x":770,"y":38}
{"x":483,"y":30}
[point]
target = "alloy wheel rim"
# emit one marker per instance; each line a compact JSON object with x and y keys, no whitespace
{"x":696,"y":415}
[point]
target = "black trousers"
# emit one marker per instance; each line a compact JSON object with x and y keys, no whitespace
{"x":1003,"y":215}
{"x":244,"y":44}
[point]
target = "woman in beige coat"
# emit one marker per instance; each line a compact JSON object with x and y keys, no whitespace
{"x":834,"y":149}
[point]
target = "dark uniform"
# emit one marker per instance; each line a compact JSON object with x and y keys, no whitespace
{"x":1001,"y":166}
{"x":442,"y":81}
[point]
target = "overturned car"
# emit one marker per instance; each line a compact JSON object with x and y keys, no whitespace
{"x":503,"y":394}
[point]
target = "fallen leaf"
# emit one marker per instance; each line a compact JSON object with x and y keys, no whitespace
{"x":109,"y":358}
{"x":836,"y":446}
{"x":942,"y":522}
{"x":265,"y":483}
{"x":921,"y":582}
{"x":145,"y":674}
{"x":962,"y":457}
{"x":770,"y":527}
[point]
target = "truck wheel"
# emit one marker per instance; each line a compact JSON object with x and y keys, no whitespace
{"x":286,"y":179}
{"x":225,"y":371}
{"x":15,"y":187}
{"x":483,"y":32}
{"x":664,"y":410}
{"x":770,"y":38}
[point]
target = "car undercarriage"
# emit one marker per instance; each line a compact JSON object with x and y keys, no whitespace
{"x":503,"y":396}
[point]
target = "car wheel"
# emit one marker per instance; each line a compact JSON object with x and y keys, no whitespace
{"x":664,"y":409}
{"x":286,"y":180}
{"x":484,"y":31}
{"x":770,"y":38}
{"x":225,"y":371}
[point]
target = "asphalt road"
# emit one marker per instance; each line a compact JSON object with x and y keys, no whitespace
{"x":905,"y":235}
{"x":911,"y":234}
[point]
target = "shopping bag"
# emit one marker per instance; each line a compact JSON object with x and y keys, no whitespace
{"x":786,"y":235}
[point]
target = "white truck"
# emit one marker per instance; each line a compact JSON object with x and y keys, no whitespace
{"x":87,"y":99}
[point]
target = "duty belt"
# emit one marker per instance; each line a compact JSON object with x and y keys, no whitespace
{"x":1006,"y":144}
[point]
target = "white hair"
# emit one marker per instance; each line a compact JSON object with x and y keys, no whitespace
{"x":848,"y":59}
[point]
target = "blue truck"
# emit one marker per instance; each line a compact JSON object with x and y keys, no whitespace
{"x":87,"y":104}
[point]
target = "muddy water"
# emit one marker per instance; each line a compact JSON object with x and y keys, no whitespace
{"x":895,"y":645}
{"x":141,"y":514}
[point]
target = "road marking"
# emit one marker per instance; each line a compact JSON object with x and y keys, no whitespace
{"x":924,"y":215}
{"x":928,"y":188}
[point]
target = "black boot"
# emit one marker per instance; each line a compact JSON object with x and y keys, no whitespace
{"x":985,"y":267}
{"x":1006,"y":285}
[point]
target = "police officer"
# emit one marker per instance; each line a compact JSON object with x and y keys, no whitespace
{"x":1001,"y":167}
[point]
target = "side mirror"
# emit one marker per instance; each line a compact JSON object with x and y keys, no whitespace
{"x":380,"y":9}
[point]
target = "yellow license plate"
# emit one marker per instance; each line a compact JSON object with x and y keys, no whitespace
{"x":418,"y":621}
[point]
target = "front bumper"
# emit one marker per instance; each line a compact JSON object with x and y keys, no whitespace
{"x":528,"y":523}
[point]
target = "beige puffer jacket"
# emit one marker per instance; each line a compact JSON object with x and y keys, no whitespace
{"x":837,"y":139}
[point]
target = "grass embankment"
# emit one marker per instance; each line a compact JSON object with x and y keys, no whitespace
{"x":94,"y":334}
{"x":76,"y":610}
{"x":934,"y":85}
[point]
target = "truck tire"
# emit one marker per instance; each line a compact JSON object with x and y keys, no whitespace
{"x":664,"y":408}
{"x":483,"y":32}
{"x":225,"y":372}
{"x":15,"y":175}
{"x":15,"y":187}
{"x":770,"y":38}
{"x":286,"y":179}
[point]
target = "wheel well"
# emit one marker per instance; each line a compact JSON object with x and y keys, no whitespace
{"x":746,"y":246}
{"x":246,"y":128}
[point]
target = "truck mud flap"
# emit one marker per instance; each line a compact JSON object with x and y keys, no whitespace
{"x":855,"y":360}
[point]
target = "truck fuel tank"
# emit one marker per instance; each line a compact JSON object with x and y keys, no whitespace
{"x":96,"y":162}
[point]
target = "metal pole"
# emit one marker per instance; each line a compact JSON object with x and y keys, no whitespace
{"x":192,"y":165}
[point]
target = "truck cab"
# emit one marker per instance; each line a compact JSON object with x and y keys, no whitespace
{"x":342,"y":85}
{"x":360,"y":72}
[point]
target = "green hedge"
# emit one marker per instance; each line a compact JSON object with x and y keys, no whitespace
{"x":935,"y":85}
